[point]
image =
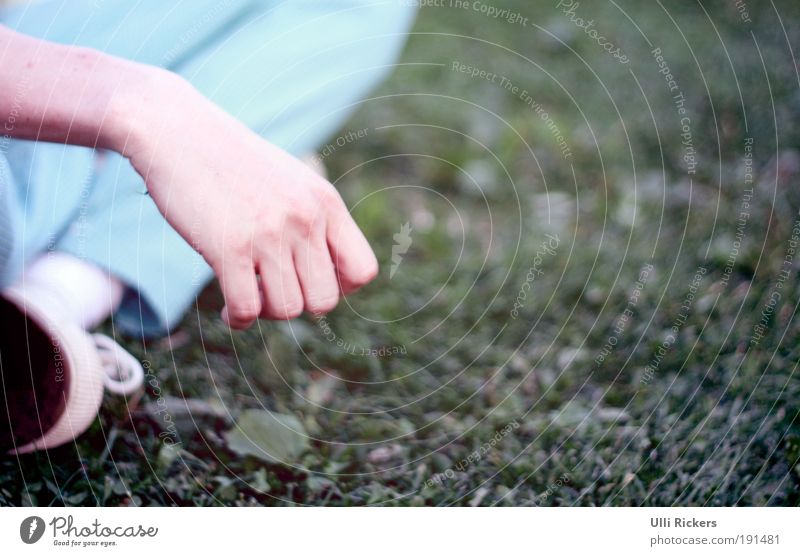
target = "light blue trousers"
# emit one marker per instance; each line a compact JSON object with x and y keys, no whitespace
{"x":293,"y":71}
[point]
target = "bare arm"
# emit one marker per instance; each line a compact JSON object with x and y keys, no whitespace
{"x":51,"y":92}
{"x":279,"y":237}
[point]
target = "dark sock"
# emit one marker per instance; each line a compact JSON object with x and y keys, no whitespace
{"x":32,"y":379}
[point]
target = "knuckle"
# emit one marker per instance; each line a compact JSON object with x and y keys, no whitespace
{"x":365,"y":275}
{"x":324,"y":304}
{"x":269,"y":232}
{"x":237,"y":250}
{"x":287,"y":312}
{"x":243,"y":313}
{"x":293,"y":311}
{"x":302,"y":219}
{"x":329,"y":197}
{"x":239,"y":325}
{"x":284,"y":307}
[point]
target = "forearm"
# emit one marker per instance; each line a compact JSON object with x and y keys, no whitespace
{"x":278,"y":236}
{"x":51,"y":92}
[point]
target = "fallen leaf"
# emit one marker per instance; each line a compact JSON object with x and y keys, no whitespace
{"x":272,"y":437}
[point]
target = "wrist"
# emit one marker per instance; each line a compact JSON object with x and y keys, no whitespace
{"x":136,"y":106}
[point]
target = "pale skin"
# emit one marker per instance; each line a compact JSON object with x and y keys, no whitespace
{"x":278,"y":236}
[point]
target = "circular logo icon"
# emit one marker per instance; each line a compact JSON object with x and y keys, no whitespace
{"x":31,"y":529}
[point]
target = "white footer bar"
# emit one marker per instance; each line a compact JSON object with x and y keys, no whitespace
{"x":390,"y":531}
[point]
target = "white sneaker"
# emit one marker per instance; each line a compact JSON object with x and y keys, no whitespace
{"x":52,"y":374}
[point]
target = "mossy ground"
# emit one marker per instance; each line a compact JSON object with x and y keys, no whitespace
{"x":673,"y":386}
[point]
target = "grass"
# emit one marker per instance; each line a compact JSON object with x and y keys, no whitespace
{"x":610,"y":384}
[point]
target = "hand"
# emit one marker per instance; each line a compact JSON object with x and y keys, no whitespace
{"x":278,"y":236}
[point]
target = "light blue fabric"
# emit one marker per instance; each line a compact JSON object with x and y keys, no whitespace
{"x":293,"y":71}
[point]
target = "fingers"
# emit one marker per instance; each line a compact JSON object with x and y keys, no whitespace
{"x":352,"y":256}
{"x":316,"y":274}
{"x":309,"y":261}
{"x":240,"y":289}
{"x":281,"y":294}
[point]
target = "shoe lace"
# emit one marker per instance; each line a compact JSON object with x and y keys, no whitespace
{"x":124,"y":375}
